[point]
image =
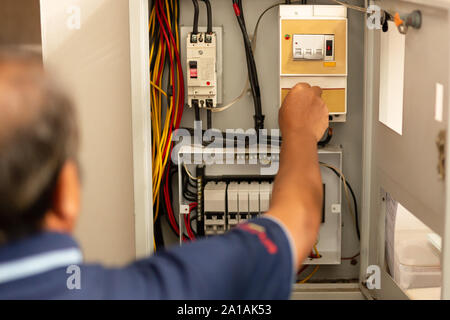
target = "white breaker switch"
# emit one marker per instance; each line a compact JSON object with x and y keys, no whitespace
{"x":201,"y":69}
{"x":253,"y":200}
{"x":313,"y":47}
{"x":265,"y":191}
{"x":233,"y":206}
{"x":215,"y":208}
{"x":243,"y":200}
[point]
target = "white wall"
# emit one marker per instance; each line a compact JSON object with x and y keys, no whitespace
{"x":94,"y":62}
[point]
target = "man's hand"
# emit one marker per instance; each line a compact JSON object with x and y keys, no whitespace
{"x":298,"y":190}
{"x":304,"y":112}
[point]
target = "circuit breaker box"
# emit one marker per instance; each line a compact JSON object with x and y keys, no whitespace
{"x":312,"y":43}
{"x":313,"y":49}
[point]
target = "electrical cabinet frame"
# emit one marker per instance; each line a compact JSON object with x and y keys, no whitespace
{"x":404,"y":165}
{"x":401,"y":165}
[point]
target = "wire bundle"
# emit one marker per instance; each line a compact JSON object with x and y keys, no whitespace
{"x":251,"y":66}
{"x":167,"y":97}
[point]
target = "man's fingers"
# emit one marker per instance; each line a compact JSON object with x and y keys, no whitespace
{"x":317,"y":91}
{"x":302,"y":85}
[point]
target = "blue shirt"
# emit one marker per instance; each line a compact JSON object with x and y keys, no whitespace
{"x":253,"y":261}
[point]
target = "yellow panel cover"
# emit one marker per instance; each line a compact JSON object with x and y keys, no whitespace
{"x":336,"y":27}
{"x":334,"y":99}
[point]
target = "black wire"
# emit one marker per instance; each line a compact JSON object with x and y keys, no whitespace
{"x":356,"y":209}
{"x":242,"y":10}
{"x":187,"y":194}
{"x":267,"y":138}
{"x":259,"y":117}
{"x":159,"y":239}
{"x":191,"y":183}
{"x":252,"y":70}
{"x":355,"y":204}
{"x":324,"y":142}
{"x":209,"y":14}
{"x":196,"y":14}
{"x":192,"y":218}
{"x":208,"y":119}
{"x":197,"y":112}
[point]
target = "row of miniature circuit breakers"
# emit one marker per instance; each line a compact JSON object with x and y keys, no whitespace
{"x":228,"y":204}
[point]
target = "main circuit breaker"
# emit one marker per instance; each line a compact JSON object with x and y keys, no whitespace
{"x":201,"y":54}
{"x":313,"y":49}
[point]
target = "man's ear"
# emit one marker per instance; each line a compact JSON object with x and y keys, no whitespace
{"x":66,"y":200}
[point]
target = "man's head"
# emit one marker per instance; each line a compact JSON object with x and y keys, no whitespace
{"x":39,"y":185}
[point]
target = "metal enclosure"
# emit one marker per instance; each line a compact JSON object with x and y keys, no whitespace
{"x":347,"y":135}
{"x":405,"y":166}
{"x":374,"y":157}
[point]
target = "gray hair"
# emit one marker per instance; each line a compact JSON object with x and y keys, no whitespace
{"x":38,"y":134}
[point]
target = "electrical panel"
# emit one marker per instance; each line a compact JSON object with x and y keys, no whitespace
{"x":217,"y":194}
{"x":201,"y":70}
{"x":237,"y":192}
{"x":313,"y":49}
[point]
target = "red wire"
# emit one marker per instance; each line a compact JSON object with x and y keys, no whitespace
{"x":187,"y":221}
{"x":172,"y":52}
{"x":237,"y":11}
{"x":172,"y":71}
{"x":159,"y":13}
{"x":180,"y":69}
{"x":170,"y":213}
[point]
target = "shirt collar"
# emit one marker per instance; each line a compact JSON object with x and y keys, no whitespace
{"x":36,"y":244}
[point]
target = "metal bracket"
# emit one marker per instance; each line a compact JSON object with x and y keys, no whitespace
{"x":403,"y":21}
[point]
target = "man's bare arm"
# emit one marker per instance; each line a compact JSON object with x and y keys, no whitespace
{"x":298,"y":190}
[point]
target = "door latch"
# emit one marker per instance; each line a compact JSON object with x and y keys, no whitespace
{"x":440,"y":143}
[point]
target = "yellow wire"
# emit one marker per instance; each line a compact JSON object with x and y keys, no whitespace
{"x":310,"y":275}
{"x":161,"y":127}
{"x":316,"y":251}
{"x":158,"y":88}
{"x":315,"y":269}
{"x":188,"y":173}
{"x":156,"y":112}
